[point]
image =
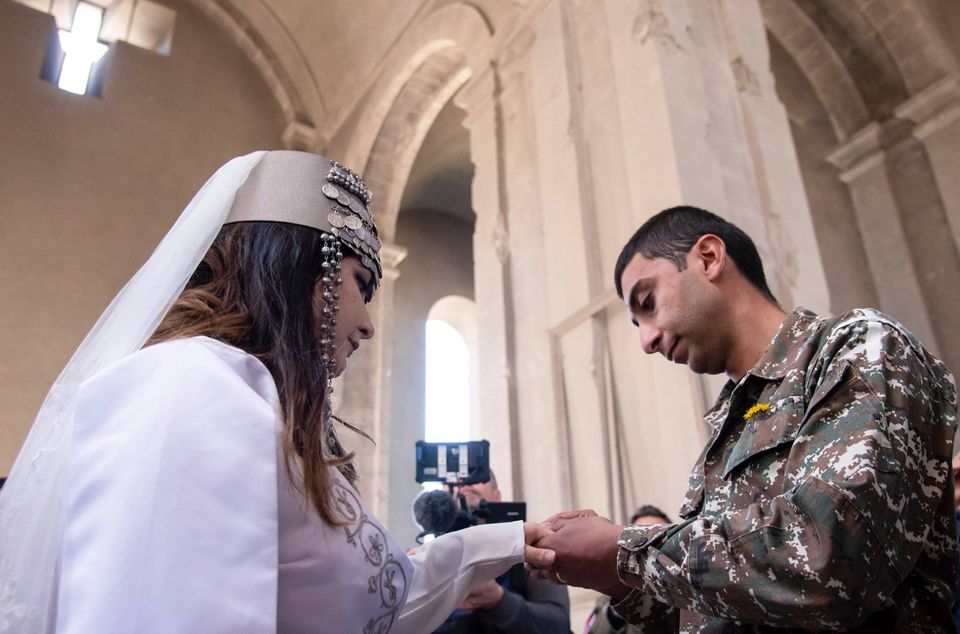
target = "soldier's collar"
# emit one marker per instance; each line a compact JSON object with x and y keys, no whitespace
{"x":781,"y":353}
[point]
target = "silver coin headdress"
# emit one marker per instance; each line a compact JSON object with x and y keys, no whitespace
{"x":313,"y":191}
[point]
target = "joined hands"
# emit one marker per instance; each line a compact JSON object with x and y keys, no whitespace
{"x":577,"y":548}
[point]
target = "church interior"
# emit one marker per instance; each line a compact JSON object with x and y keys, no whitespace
{"x":512,"y":147}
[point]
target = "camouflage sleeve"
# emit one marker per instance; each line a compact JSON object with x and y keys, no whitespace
{"x":870,"y":460}
{"x":647,"y":612}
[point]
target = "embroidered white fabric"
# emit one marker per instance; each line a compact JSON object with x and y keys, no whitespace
{"x":222,"y":539}
{"x":31,"y":504}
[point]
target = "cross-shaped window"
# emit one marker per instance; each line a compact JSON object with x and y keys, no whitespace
{"x":89,"y":27}
{"x":81,"y":48}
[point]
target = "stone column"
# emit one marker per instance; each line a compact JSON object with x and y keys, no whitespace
{"x":362,"y":395}
{"x":679,"y":107}
{"x":862,"y":164}
{"x":603,"y":225}
{"x":935,"y":113}
{"x":703,"y":125}
{"x":771,"y":169}
{"x":537,"y":449}
{"x":492,"y":280}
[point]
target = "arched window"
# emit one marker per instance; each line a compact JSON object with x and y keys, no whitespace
{"x":450,"y":393}
{"x":447,"y":402}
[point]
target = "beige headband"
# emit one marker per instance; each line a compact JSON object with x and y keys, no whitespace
{"x":312,"y":191}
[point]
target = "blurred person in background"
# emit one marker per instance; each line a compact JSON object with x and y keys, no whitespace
{"x":515,"y":602}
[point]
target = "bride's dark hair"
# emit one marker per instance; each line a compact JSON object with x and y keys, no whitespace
{"x":254,"y":289}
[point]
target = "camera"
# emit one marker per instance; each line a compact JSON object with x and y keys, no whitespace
{"x":456,"y":464}
{"x":453,"y":463}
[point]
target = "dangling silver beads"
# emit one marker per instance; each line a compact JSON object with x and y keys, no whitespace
{"x":332,"y":255}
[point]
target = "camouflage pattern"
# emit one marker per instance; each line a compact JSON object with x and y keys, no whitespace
{"x":601,"y":623}
{"x":830,"y":510}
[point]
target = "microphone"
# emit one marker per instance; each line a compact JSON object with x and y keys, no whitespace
{"x":435,"y":512}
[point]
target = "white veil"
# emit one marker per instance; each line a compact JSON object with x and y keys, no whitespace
{"x":31,"y":510}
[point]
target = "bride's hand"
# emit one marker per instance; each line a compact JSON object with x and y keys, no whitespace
{"x":533,"y":556}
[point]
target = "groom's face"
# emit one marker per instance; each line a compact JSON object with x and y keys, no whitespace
{"x":678,"y":311}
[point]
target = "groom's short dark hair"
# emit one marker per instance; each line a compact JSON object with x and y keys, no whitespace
{"x":672,"y":233}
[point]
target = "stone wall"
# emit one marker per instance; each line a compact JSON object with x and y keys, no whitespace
{"x":90,"y":185}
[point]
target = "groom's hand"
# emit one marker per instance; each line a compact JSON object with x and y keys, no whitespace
{"x":586,"y":552}
{"x":553,"y":522}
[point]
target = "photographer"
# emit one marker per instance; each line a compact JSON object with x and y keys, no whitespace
{"x":515,"y":602}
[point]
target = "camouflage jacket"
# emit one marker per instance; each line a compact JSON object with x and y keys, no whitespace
{"x":823,"y":500}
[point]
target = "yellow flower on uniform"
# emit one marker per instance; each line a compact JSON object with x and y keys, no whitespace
{"x":756,"y":409}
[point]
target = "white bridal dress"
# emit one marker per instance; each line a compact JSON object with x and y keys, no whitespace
{"x":180,"y":516}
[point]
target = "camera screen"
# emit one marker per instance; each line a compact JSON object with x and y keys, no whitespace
{"x":453,"y":462}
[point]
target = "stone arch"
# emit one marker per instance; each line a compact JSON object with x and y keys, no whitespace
{"x":882,"y":77}
{"x":442,"y":51}
{"x":281,"y":63}
{"x":433,"y":58}
{"x":863,"y":51}
{"x":458,"y":311}
{"x":830,"y":79}
{"x":862,"y":61}
{"x":407,"y":123}
{"x":918,"y":52}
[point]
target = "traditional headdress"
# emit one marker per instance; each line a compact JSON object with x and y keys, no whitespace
{"x":294,"y":187}
{"x":313,"y":191}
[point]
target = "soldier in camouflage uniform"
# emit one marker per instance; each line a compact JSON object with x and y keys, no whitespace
{"x":823,"y":499}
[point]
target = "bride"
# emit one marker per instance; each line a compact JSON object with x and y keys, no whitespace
{"x":184,"y":473}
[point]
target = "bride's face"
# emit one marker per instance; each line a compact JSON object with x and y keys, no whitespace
{"x":353,"y":320}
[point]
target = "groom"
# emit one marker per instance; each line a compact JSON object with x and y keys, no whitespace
{"x":823,"y":499}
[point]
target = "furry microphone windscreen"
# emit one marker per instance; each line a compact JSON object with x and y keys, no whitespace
{"x":434,"y":511}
